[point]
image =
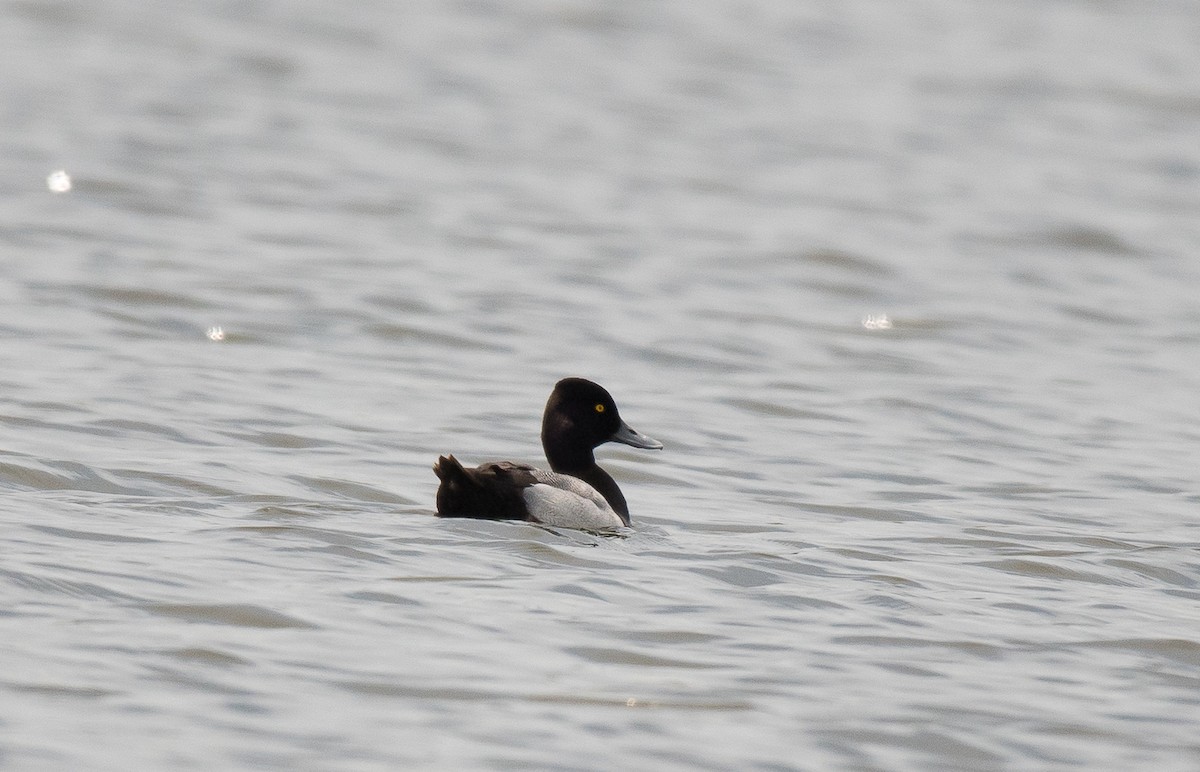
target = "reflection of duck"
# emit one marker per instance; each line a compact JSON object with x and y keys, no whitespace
{"x":580,"y":415}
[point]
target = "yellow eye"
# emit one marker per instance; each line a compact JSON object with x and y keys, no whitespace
{"x":599,"y":407}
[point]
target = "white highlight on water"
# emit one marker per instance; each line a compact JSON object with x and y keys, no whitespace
{"x":59,"y":181}
{"x":876,"y":322}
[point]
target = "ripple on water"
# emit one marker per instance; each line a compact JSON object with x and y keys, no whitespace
{"x":1048,"y":570}
{"x":1158,"y":573}
{"x":1181,"y":650}
{"x":235,"y":614}
{"x":62,"y":475}
{"x":346,"y":489}
{"x":206,"y":656}
{"x":95,"y":536}
{"x":55,"y":586}
{"x":62,"y":690}
{"x":606,"y":655}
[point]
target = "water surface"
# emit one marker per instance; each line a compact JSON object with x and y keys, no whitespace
{"x":907,"y":292}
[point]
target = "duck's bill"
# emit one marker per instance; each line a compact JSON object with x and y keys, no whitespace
{"x":628,"y":436}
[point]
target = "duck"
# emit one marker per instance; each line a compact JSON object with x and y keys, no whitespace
{"x":575,"y":492}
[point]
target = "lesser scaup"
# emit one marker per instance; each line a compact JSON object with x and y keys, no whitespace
{"x":580,"y":415}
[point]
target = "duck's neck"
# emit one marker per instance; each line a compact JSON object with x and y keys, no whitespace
{"x":583,"y":466}
{"x":606,"y":486}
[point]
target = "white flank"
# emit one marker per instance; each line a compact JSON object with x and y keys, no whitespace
{"x":568,"y":502}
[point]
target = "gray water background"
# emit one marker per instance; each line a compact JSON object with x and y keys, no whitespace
{"x":908,"y":290}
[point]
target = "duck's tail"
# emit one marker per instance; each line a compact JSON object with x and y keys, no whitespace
{"x":488,"y":493}
{"x":448,"y":467}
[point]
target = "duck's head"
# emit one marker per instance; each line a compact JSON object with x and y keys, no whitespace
{"x":581,"y":415}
